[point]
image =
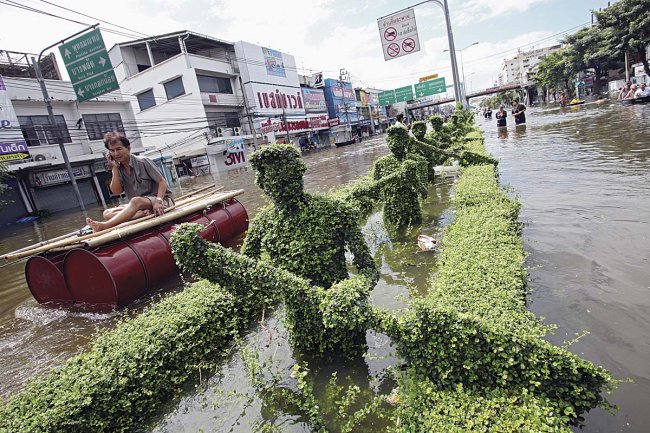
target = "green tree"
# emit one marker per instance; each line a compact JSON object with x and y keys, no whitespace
{"x":558,"y":68}
{"x":629,"y":24}
{"x":595,"y":48}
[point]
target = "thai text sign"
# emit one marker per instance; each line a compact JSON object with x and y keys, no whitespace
{"x":57,"y":176}
{"x":89,"y":66}
{"x":404,"y":94}
{"x":11,"y":149}
{"x":428,"y":77}
{"x":399,"y":34}
{"x":430,"y":87}
{"x":387,"y":98}
{"x":313,"y":99}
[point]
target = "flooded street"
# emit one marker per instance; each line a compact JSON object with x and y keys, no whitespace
{"x":582,"y":178}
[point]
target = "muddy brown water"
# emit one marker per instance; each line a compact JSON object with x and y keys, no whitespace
{"x":582,"y":178}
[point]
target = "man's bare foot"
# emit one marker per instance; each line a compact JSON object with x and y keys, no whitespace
{"x":96,"y":225}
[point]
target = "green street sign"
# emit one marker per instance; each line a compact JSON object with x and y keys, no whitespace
{"x":387,"y":98}
{"x":89,"y":66}
{"x":431,"y":87}
{"x":404,"y":94}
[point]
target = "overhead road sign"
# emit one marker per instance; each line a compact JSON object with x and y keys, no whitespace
{"x":404,"y":94}
{"x":387,"y":98}
{"x":89,"y":66}
{"x":428,"y":77}
{"x":399,"y":34}
{"x":430,"y":87}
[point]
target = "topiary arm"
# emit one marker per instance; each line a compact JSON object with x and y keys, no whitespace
{"x":252,"y":246}
{"x":356,"y":244}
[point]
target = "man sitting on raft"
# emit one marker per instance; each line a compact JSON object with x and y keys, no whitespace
{"x":138,"y":178}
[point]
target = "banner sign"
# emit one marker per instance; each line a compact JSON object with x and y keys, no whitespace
{"x":273,"y":62}
{"x":54,"y":177}
{"x":313,"y":99}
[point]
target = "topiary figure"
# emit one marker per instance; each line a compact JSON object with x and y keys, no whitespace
{"x":400,"y":197}
{"x":303,"y":233}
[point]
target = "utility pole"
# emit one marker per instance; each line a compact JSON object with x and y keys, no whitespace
{"x":52,"y":119}
{"x":286,"y":124}
{"x":251,"y":125}
{"x":342,"y":76}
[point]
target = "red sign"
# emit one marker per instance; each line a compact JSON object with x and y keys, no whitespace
{"x":390,"y":34}
{"x":335,"y":121}
{"x":392,"y":50}
{"x":408,"y":45}
{"x":280,"y":99}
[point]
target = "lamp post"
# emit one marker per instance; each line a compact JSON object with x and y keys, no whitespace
{"x":462,"y":67}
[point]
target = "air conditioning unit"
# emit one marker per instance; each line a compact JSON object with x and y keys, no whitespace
{"x":237,"y":131}
{"x":218,"y":132}
{"x":41,"y":156}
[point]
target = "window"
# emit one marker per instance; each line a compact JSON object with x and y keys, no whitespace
{"x":223,"y":120}
{"x":99,"y":124}
{"x":37,"y":130}
{"x":214,"y":84}
{"x":146,"y":100}
{"x":174,"y":88}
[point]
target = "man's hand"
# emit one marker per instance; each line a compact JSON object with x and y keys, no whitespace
{"x":158,"y":208}
{"x":111,"y":160}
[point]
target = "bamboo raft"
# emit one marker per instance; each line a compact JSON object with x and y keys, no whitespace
{"x":111,"y":268}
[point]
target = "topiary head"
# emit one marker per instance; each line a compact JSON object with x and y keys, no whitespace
{"x":279,"y":170}
{"x":398,"y":140}
{"x":436,"y":122}
{"x":419,"y":129}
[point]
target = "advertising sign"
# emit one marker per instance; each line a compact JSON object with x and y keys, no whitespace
{"x":273,"y":99}
{"x":54,"y":177}
{"x":338,"y":92}
{"x":89,"y":66}
{"x":431,"y":87}
{"x":317,"y":80}
{"x":198,"y":161}
{"x":399,"y":34}
{"x":12,"y":146}
{"x":273,"y":62}
{"x":314,"y":100}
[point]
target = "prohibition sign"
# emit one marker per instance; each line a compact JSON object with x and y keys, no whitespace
{"x":408,"y":45}
{"x":390,"y":34}
{"x":392,"y":50}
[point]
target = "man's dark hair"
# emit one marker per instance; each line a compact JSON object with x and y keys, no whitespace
{"x":400,"y":117}
{"x":116,"y":137}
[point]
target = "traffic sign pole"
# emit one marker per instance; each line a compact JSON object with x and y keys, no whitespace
{"x":52,"y":119}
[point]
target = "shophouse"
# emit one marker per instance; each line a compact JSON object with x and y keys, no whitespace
{"x":187,"y":97}
{"x":313,"y":97}
{"x":341,"y":106}
{"x":278,"y":107}
{"x":29,"y":143}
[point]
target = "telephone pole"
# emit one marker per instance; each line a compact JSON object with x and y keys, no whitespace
{"x":343,"y":79}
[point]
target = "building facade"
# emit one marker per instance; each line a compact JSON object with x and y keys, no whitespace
{"x":516,"y":70}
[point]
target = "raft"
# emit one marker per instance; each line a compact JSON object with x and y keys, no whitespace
{"x":110,"y":269}
{"x":643,"y":100}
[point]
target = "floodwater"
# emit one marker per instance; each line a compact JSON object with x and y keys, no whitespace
{"x":581,"y":176}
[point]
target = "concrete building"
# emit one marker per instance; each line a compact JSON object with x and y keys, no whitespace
{"x":516,"y":70}
{"x":41,"y":181}
{"x":185,"y":91}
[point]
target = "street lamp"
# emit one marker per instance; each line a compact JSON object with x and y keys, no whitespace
{"x":462,"y":67}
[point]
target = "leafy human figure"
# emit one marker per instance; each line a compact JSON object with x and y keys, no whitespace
{"x":400,"y":197}
{"x":303,"y":233}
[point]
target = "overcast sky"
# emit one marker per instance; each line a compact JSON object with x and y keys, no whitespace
{"x":323,"y":35}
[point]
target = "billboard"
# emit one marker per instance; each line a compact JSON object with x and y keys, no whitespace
{"x":12,"y":145}
{"x":314,"y":100}
{"x":258,"y":64}
{"x":274,"y":99}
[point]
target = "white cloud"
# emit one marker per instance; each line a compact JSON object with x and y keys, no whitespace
{"x":467,"y":12}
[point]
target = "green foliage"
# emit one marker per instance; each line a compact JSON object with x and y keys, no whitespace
{"x":339,"y":411}
{"x":321,"y":321}
{"x":425,"y":407}
{"x":131,"y":371}
{"x":629,"y":24}
{"x":419,"y":129}
{"x":474,"y":329}
{"x":303,"y":233}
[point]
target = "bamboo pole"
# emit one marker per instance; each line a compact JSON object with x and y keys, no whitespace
{"x":76,"y":232}
{"x":167,"y":217}
{"x":74,"y":240}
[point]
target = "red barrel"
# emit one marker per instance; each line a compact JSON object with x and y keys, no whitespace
{"x":113,"y":275}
